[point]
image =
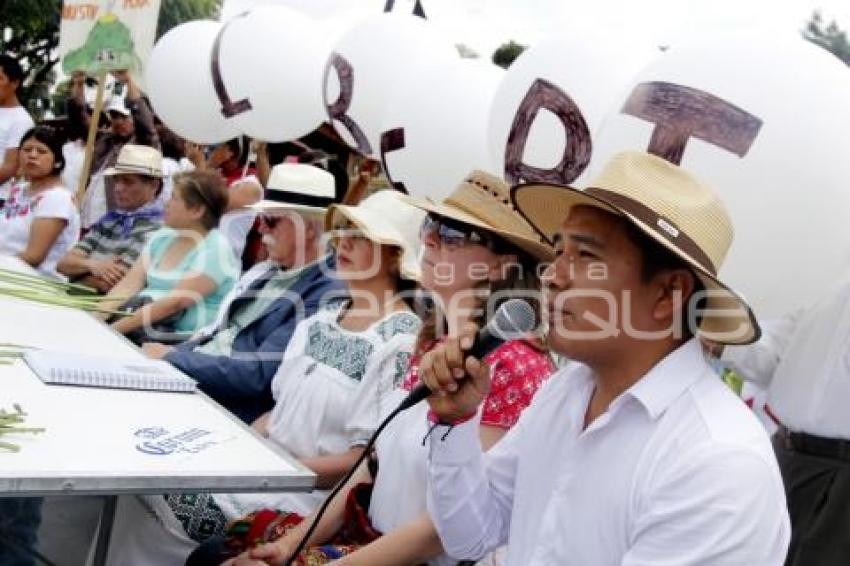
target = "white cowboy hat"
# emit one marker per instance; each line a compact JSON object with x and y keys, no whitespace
{"x":298,"y":186}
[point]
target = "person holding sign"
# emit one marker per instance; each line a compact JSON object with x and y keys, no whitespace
{"x":639,"y":454}
{"x":130,"y":121}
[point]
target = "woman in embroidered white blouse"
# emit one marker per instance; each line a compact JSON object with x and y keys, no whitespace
{"x":328,"y":389}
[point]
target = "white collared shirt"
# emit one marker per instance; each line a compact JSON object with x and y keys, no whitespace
{"x":803,"y":360}
{"x":677,"y":471}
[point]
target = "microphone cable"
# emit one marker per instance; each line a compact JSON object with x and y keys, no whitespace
{"x":403,"y":406}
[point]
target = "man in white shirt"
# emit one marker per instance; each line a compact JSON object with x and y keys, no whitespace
{"x":14,"y":119}
{"x":803,"y":362}
{"x":639,"y":454}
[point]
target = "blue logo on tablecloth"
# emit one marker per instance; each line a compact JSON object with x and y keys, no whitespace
{"x":159,"y":441}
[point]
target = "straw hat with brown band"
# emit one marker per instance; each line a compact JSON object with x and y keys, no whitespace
{"x":483,"y":201}
{"x":673,"y":208}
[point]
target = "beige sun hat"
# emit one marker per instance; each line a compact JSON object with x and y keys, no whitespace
{"x":298,"y":186}
{"x":385,"y":217}
{"x":483,"y":200}
{"x":137,"y":160}
{"x":673,"y":208}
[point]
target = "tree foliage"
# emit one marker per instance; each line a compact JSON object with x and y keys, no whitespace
{"x":29,"y":31}
{"x":174,"y":12}
{"x":505,"y":55}
{"x":829,"y":36}
{"x":31,"y":34}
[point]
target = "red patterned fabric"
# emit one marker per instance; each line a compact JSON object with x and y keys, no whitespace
{"x":267,"y":525}
{"x":518,"y":370}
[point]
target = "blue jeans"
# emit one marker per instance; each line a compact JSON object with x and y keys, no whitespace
{"x":19,"y":521}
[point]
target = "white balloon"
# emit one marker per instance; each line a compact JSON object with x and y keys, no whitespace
{"x":180,"y":85}
{"x":592,"y":71}
{"x":787,"y":193}
{"x":379,"y":53}
{"x":273,"y":57}
{"x":445,"y":131}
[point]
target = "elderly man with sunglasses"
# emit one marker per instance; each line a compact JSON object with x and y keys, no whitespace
{"x":235,"y":359}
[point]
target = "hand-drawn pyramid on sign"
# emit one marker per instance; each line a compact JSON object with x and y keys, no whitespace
{"x":108,"y":47}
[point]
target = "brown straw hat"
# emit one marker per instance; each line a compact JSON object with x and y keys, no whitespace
{"x":669,"y":205}
{"x":483,"y":200}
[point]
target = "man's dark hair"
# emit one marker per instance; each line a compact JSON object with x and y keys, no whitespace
{"x":241,"y":148}
{"x":655,"y":259}
{"x":12,"y":69}
{"x":173,"y":146}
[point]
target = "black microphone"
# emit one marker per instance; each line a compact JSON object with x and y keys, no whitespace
{"x":513,"y":320}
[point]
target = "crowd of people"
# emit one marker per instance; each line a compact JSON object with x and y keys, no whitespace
{"x":309,"y":303}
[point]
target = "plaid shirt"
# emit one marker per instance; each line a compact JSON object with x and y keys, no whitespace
{"x":105,"y":239}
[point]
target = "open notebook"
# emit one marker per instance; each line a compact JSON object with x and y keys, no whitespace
{"x":60,"y":368}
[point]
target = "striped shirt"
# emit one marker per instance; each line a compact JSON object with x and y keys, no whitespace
{"x":106,"y":238}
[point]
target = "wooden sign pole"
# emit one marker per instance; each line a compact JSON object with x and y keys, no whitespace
{"x":89,"y":155}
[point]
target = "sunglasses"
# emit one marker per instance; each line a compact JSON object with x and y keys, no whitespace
{"x":453,"y":234}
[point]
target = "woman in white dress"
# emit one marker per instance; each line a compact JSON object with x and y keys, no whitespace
{"x":338,"y":366}
{"x":39,"y":221}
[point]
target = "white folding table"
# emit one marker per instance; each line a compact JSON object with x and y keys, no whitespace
{"x":111,"y":442}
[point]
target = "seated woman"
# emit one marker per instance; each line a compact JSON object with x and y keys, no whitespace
{"x":186,"y":268}
{"x":337,"y":368}
{"x":39,"y":221}
{"x":477,"y":252}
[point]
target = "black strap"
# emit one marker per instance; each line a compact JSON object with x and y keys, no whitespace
{"x":289,"y":197}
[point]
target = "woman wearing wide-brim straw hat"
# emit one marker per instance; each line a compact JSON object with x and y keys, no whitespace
{"x":476,"y":224}
{"x":482,"y":201}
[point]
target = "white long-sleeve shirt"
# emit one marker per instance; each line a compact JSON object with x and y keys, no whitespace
{"x":803,"y":360}
{"x":677,"y":472}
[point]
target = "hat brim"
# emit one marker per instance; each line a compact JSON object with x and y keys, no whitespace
{"x":112,"y":171}
{"x":272,"y":205}
{"x":376,"y":229}
{"x":727,"y":318}
{"x":533,"y":247}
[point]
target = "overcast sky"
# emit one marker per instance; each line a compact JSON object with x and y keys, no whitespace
{"x":485,"y":24}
